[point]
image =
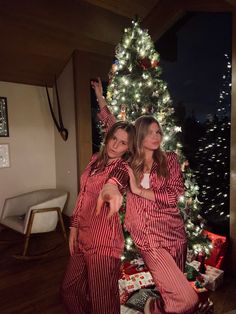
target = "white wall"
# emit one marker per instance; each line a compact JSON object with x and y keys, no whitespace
{"x":31,"y":141}
{"x":66,"y":155}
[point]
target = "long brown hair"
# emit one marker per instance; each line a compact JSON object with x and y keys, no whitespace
{"x":138,"y":163}
{"x":102,"y":159}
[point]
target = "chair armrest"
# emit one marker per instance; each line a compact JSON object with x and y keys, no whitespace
{"x":13,"y":207}
{"x":58,"y":201}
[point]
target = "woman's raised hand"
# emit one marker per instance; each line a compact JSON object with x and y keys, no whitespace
{"x":97,"y":86}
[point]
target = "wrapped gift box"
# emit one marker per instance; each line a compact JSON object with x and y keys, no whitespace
{"x":124,"y":295}
{"x":190,"y":255}
{"x":213,"y":276}
{"x":202,"y":292}
{"x":134,"y":276}
{"x":127,"y":310}
{"x":195,"y":264}
{"x":133,"y":267}
{"x":131,"y":283}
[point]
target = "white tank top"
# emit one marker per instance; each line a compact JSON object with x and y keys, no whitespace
{"x":145,"y":183}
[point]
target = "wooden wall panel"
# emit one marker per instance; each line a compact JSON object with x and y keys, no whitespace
{"x":233,"y":152}
{"x":86,"y":66}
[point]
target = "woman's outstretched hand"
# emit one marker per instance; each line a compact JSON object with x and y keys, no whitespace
{"x":111,"y":195}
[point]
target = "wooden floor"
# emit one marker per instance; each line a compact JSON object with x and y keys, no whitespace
{"x":32,"y":286}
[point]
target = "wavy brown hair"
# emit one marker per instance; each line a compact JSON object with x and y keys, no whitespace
{"x":102,"y":159}
{"x":138,"y":163}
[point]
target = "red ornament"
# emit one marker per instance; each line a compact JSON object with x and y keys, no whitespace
{"x":154,"y":63}
{"x":122,"y":210}
{"x":145,"y":63}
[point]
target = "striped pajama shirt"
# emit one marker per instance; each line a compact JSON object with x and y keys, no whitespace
{"x":157,"y":229}
{"x":90,"y":284}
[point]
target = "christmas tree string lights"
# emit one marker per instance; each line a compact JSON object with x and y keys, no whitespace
{"x":136,"y":88}
{"x":213,"y":159}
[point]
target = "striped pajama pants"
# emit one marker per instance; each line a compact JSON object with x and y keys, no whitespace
{"x":177,"y":294}
{"x":90,"y":285}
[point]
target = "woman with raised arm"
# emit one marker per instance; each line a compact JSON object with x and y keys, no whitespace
{"x":154,"y":220}
{"x":96,"y":242}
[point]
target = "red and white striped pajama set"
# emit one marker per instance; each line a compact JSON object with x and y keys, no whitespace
{"x":157,"y":229}
{"x":91,"y":281}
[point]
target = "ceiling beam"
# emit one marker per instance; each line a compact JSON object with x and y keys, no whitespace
{"x":39,"y":37}
{"x":167,"y":12}
{"x":126,"y":8}
{"x":162,"y":17}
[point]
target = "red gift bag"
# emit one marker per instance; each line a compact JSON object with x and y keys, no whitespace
{"x":218,"y":251}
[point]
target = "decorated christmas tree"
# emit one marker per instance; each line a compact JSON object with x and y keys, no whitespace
{"x":136,"y":88}
{"x":213,"y":159}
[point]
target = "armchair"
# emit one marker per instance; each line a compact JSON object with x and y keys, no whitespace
{"x":34,"y":212}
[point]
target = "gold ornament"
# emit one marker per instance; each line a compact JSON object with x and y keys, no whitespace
{"x":122,"y":114}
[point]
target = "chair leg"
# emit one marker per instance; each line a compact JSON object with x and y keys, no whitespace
{"x":28,"y":232}
{"x":26,"y":245}
{"x":27,"y":238}
{"x":62,"y":223}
